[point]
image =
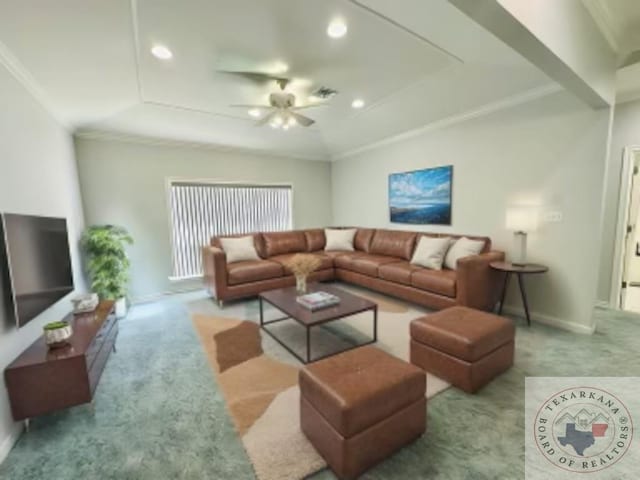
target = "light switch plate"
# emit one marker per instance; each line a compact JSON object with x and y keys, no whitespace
{"x":553,"y":217}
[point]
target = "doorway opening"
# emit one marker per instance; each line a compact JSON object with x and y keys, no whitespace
{"x":625,"y":292}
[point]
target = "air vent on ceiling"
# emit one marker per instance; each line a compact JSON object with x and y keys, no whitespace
{"x":325,"y":93}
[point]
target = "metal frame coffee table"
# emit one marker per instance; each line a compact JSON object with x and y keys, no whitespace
{"x":284,"y":299}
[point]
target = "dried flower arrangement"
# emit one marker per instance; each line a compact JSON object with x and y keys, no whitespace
{"x":302,"y":265}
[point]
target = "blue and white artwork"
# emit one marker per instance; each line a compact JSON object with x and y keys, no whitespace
{"x":423,"y":196}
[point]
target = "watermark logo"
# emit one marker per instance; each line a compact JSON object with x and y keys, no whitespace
{"x":583,"y":429}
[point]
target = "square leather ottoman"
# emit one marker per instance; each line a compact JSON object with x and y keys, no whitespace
{"x":464,"y":346}
{"x":360,"y":406}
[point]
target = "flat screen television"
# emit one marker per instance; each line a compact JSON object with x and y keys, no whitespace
{"x":36,"y":264}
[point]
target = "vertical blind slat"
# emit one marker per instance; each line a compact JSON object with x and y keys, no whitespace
{"x":201,"y":211}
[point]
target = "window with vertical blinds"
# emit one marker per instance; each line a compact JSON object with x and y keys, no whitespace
{"x":202,"y":210}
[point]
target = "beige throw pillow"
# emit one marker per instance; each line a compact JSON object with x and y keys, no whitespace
{"x":430,"y":252}
{"x":239,"y":249}
{"x":463,"y":247}
{"x":339,"y":239}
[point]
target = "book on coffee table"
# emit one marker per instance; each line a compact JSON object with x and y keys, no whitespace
{"x":317,"y":300}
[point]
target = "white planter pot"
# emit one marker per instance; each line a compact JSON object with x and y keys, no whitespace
{"x":121,"y":307}
{"x":58,"y":337}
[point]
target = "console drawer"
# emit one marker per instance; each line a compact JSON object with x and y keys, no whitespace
{"x":100,"y":361}
{"x":98,"y":341}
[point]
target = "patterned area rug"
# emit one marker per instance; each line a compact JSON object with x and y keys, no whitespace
{"x":261,"y":391}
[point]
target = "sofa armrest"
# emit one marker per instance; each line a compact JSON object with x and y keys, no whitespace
{"x":214,"y":266}
{"x":477,"y":284}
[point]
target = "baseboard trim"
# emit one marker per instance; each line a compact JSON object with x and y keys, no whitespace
{"x":10,"y":441}
{"x":159,"y":296}
{"x":552,"y":321}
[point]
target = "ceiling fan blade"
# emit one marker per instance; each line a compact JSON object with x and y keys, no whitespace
{"x":301,"y":119}
{"x":258,"y":77}
{"x":311,"y":105}
{"x":266,"y":119}
{"x":240,"y":105}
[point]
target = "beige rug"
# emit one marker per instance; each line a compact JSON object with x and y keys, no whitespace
{"x":262,"y":392}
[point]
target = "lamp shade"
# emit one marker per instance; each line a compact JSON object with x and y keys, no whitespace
{"x":522,"y":219}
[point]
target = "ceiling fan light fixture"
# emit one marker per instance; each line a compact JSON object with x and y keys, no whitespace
{"x":254,"y":112}
{"x":357,"y":103}
{"x":161,"y":52}
{"x":291,"y":122}
{"x":337,"y":28}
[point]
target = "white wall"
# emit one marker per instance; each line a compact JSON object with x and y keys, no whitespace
{"x":550,"y":152}
{"x":626,"y":132}
{"x":37,"y":176}
{"x":124,"y":182}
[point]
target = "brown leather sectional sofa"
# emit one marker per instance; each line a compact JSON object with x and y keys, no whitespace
{"x":380,"y":262}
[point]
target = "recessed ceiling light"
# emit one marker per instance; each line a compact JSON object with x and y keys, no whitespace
{"x":337,"y":29}
{"x":280,"y":68}
{"x":161,"y":52}
{"x":254,"y":112}
{"x":357,"y":103}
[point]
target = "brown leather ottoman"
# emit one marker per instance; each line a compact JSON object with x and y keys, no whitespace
{"x":360,"y":406}
{"x":464,"y":346}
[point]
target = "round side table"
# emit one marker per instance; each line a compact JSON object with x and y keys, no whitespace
{"x":509,"y":268}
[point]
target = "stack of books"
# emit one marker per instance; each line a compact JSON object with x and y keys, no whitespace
{"x":318,"y":300}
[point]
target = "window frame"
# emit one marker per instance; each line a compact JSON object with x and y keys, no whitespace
{"x":170,"y":181}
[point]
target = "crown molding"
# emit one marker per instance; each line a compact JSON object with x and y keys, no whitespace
{"x":110,"y":136}
{"x":486,"y":109}
{"x":22,"y":75}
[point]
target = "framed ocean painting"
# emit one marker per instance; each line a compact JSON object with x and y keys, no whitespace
{"x":421,"y":196}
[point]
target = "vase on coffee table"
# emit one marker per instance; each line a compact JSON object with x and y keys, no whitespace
{"x":301,"y":265}
{"x":301,"y":284}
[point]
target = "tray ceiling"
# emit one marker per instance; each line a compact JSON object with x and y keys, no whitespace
{"x":412,"y":62}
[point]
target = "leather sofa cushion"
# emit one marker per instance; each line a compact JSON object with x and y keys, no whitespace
{"x":325,"y":261}
{"x":359,"y":388}
{"x":436,"y":281}
{"x":277,"y":243}
{"x":335,"y":253}
{"x":463,"y":332}
{"x":364,"y":263}
{"x":393,"y":243}
{"x":345,"y":259}
{"x":315,"y":239}
{"x":362,"y":239}
{"x":253,"y":271}
{"x":398,"y":272}
{"x":369,"y":264}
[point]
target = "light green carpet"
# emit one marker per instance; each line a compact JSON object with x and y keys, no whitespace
{"x":159,"y":414}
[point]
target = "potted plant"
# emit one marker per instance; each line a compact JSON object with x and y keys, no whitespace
{"x":57,"y":334}
{"x":107,"y":263}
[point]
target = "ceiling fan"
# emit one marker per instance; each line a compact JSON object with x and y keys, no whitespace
{"x":282,"y":109}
